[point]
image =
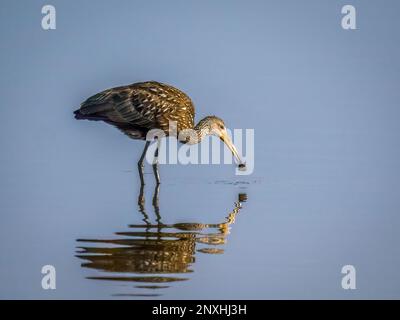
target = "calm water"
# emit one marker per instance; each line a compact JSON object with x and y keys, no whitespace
{"x":324,"y":104}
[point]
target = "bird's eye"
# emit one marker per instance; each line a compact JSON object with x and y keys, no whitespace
{"x":221,"y":126}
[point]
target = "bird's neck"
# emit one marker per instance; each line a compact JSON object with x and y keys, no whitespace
{"x":199,"y":132}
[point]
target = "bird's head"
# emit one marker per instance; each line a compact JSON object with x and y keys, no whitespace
{"x":213,"y":125}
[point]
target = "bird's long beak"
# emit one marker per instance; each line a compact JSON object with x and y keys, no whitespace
{"x":227,"y":140}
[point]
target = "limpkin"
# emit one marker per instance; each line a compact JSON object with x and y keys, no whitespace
{"x":137,"y":108}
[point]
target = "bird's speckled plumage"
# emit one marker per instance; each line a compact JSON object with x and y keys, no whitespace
{"x":140,"y":107}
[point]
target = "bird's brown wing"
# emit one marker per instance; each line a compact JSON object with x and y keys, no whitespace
{"x":145,"y":104}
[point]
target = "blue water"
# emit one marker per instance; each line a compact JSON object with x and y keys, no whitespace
{"x":324,"y":193}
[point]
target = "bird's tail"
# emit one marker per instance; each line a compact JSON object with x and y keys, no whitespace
{"x":80,"y":116}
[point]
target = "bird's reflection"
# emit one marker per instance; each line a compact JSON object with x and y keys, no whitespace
{"x":155,"y":255}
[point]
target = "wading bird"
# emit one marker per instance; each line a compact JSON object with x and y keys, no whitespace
{"x":140,"y":107}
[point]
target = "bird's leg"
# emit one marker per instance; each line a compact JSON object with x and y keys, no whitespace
{"x":140,"y":163}
{"x":156,"y":204}
{"x":155,"y":163}
{"x":141,"y":204}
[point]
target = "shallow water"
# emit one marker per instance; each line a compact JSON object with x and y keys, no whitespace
{"x":228,"y":238}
